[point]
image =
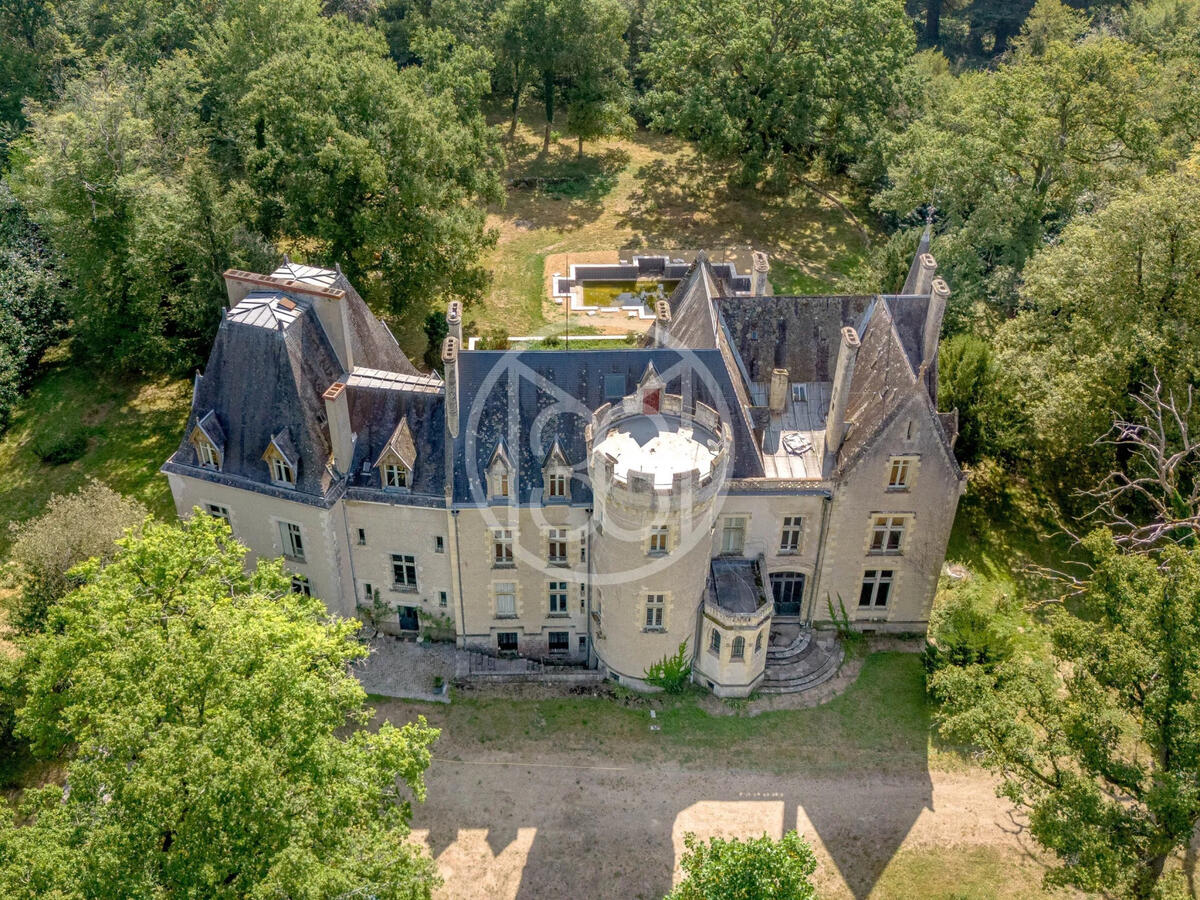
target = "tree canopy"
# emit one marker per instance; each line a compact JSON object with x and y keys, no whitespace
{"x":215,"y":742}
{"x":1100,"y":742}
{"x":752,"y":869}
{"x":769,"y":87}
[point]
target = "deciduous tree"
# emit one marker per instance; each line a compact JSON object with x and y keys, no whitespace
{"x":753,"y":869}
{"x":1100,"y":744}
{"x":215,"y":742}
{"x":770,"y":86}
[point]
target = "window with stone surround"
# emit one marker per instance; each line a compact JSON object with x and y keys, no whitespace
{"x":502,"y":548}
{"x":876,"y":588}
{"x":887,"y":534}
{"x":655,"y":604}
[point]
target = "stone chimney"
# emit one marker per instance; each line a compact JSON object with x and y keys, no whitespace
{"x":777,"y":394}
{"x":450,"y":347}
{"x":939,"y":294}
{"x":762,"y":271}
{"x":454,"y":320}
{"x":337,"y":410}
{"x":662,"y":312}
{"x":926,"y":266}
{"x":839,"y":399}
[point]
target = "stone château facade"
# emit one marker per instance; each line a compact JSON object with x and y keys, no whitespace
{"x":760,"y":463}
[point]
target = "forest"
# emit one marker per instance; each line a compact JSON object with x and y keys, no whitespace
{"x":1051,"y":150}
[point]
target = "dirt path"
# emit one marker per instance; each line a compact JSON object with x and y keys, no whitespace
{"x":599,"y":830}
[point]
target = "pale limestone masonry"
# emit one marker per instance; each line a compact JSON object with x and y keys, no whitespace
{"x":764,"y":461}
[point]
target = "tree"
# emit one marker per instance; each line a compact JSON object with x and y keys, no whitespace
{"x":32,"y":311}
{"x":215,"y":742}
{"x":574,"y":53}
{"x":140,"y":218}
{"x":1076,"y":353}
{"x":772,"y":86}
{"x":1006,"y":157}
{"x":368,"y":162}
{"x":754,"y":869}
{"x":1100,"y":743}
{"x":71,"y":529}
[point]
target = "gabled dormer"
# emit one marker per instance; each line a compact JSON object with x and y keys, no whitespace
{"x":208,"y":441}
{"x":282,"y":459}
{"x":397,"y":460}
{"x":556,"y":474}
{"x":650,"y":390}
{"x":500,"y":474}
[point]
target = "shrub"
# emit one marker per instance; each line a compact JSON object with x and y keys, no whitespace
{"x":74,"y":528}
{"x":967,"y":627}
{"x":671,"y":673}
{"x":61,"y":447}
{"x":758,"y":867}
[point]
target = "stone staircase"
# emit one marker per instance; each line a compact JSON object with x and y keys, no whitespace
{"x":800,"y":661}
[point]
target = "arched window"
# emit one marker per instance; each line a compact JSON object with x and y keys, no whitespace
{"x":737,"y":649}
{"x":714,"y":642}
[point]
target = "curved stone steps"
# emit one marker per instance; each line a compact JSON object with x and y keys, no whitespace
{"x":804,"y":667}
{"x":799,"y":647}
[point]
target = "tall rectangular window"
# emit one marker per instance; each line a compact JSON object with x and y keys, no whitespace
{"x":293,"y":543}
{"x":443,"y":601}
{"x":655,"y":603}
{"x":733,"y":535}
{"x":898,"y":473}
{"x":556,"y":484}
{"x":439,"y":544}
{"x":502,"y":547}
{"x":502,"y":484}
{"x":404,"y":571}
{"x":395,"y":476}
{"x":558,"y":598}
{"x":362,"y":537}
{"x":368,"y":590}
{"x":206,"y":454}
{"x":876,"y":588}
{"x":281,"y":472}
{"x":557,"y":546}
{"x":658,"y":538}
{"x":789,"y":538}
{"x":887,"y":534}
{"x":506,"y":600}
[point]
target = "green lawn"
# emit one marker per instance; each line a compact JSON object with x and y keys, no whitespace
{"x":132,"y":426}
{"x":881,"y":722}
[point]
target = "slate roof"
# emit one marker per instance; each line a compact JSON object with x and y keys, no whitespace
{"x":371,"y":343}
{"x":378,"y":416}
{"x":802,"y":334}
{"x":693,"y":318}
{"x":260,"y":381}
{"x":552,"y":395}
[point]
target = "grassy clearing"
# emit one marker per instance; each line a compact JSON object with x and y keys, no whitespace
{"x":649,"y":191}
{"x":880,"y":723}
{"x":131,"y":426}
{"x":962,"y":873}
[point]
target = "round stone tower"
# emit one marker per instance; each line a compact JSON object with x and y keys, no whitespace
{"x":657,"y":468}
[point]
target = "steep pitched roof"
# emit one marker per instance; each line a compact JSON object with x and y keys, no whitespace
{"x":408,"y":422}
{"x":371,"y":343}
{"x":693,"y":319}
{"x":208,"y":425}
{"x":400,"y":445}
{"x":267,"y":373}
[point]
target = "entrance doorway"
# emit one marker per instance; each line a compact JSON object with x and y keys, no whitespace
{"x":408,"y":619}
{"x":788,"y":588}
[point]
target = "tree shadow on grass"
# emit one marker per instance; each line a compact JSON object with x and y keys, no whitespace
{"x":689,"y":202}
{"x":558,"y":189}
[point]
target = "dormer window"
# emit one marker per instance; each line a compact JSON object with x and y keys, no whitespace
{"x":206,"y":454}
{"x":499,"y":474}
{"x":557,"y":473}
{"x":282,"y":472}
{"x":282,"y":459}
{"x":396,"y":461}
{"x":208,"y":440}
